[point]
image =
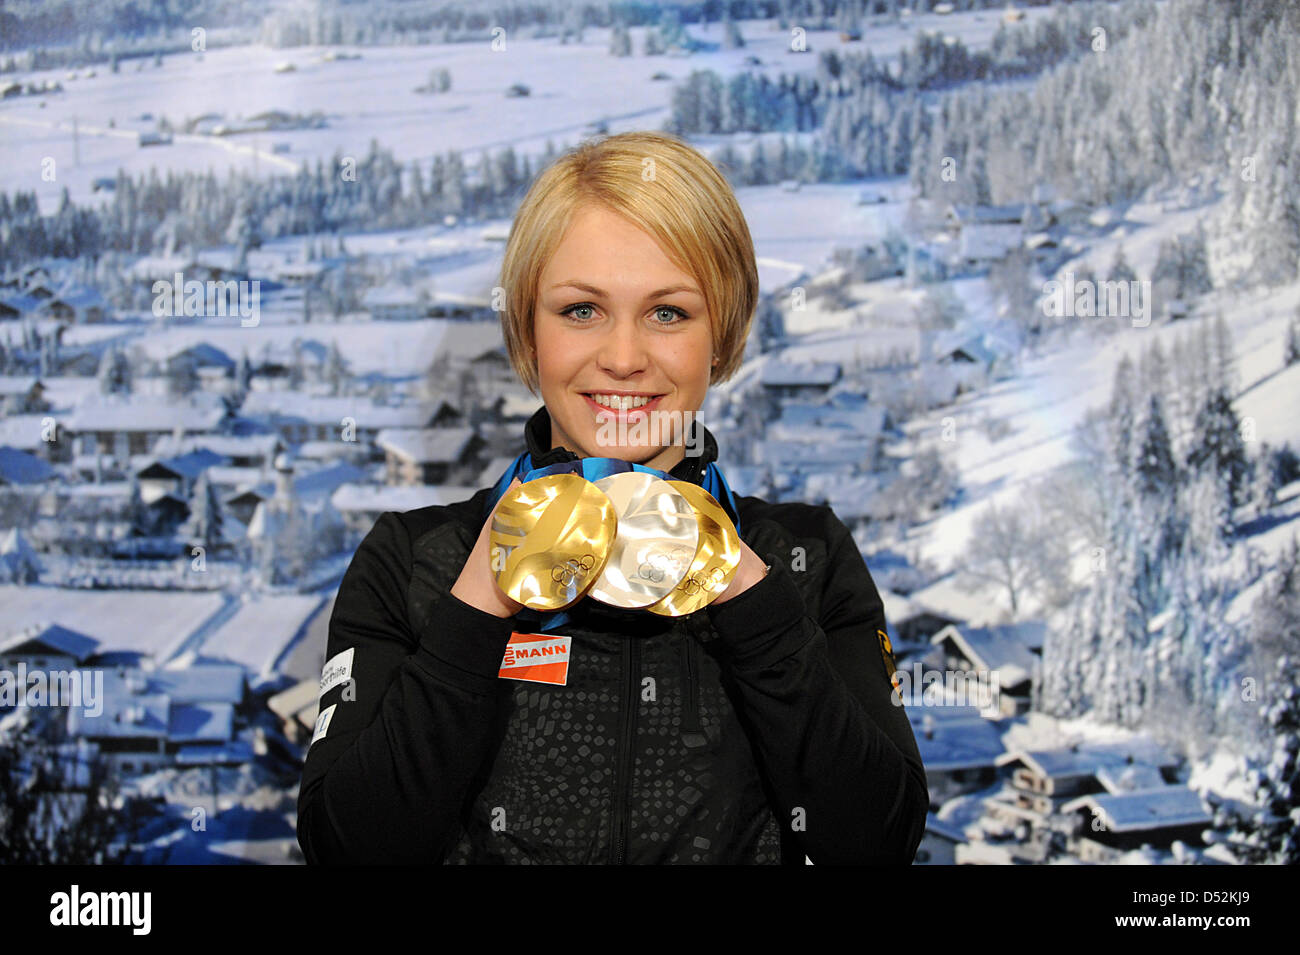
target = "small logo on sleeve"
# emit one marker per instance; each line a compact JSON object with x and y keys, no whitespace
{"x":322,"y":724}
{"x":887,"y":651}
{"x":337,"y":670}
{"x":537,"y":658}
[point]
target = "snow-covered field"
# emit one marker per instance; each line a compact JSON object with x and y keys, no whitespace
{"x":374,"y":97}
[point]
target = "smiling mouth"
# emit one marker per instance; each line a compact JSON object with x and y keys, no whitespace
{"x":605,"y":403}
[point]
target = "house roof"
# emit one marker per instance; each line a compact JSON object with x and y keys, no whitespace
{"x":425,"y":445}
{"x":17,"y":384}
{"x":22,"y":467}
{"x":78,"y":296}
{"x":787,"y":374}
{"x":377,"y":498}
{"x":144,"y":413}
{"x":204,"y":682}
{"x":205,"y":354}
{"x":200,"y":722}
{"x":49,"y":636}
{"x":227,"y":445}
{"x":1123,"y":779}
{"x":985,"y":215}
{"x":189,"y":465}
{"x":315,"y":484}
{"x":21,"y":302}
{"x":1159,"y":808}
{"x":292,"y":406}
{"x":948,"y":744}
{"x":1006,"y":648}
{"x":944,"y":829}
{"x":1085,"y":759}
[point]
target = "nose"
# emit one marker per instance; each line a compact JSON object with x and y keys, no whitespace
{"x":622,"y":353}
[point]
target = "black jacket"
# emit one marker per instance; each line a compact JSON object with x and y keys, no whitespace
{"x":759,"y":730}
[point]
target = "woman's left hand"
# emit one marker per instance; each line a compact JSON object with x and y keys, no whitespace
{"x":752,"y":569}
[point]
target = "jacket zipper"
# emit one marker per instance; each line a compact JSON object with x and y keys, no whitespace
{"x":692,"y":720}
{"x":623,"y":759}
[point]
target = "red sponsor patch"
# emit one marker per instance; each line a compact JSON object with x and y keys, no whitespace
{"x":537,"y":657}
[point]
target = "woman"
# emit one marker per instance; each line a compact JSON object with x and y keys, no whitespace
{"x":759,"y":729}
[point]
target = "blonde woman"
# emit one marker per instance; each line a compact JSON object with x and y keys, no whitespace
{"x":758,"y":729}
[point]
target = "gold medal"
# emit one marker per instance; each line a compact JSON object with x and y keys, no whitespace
{"x":655,"y":543}
{"x":550,"y":539}
{"x":715,"y":561}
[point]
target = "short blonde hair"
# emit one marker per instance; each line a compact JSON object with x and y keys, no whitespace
{"x":668,"y":189}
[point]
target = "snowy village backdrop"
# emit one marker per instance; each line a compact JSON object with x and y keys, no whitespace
{"x":1029,"y":325}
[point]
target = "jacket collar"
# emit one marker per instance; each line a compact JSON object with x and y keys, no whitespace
{"x":537,"y":436}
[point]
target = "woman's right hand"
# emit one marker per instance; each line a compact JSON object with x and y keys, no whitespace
{"x":477,"y":584}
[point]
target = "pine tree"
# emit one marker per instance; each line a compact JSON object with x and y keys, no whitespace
{"x":1216,"y":444}
{"x":1269,"y":832}
{"x":1123,"y":405}
{"x":335,"y":371}
{"x":1291,"y":349}
{"x":1154,"y":471}
{"x":203,"y":526}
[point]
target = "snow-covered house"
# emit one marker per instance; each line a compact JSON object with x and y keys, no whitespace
{"x":800,"y":381}
{"x":299,"y":417}
{"x":959,"y":217}
{"x":19,"y":305}
{"x":1042,"y":781}
{"x":959,"y":749}
{"x":1109,"y":824}
{"x":458,"y":307}
{"x":396,"y":303}
{"x":913,"y":624}
{"x":361,"y":504}
{"x":430,"y":455}
{"x":239,"y":450}
{"x":800,"y":458}
{"x":150,"y":718}
{"x":21,"y":394}
{"x":175,"y":475}
{"x":125,"y":425}
{"x":46,"y":646}
{"x":78,"y":304}
{"x":312,"y":487}
{"x":1012,"y":651}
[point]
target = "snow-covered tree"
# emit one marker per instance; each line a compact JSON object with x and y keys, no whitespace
{"x":1216,"y":444}
{"x":114,"y":373}
{"x":1268,"y":833}
{"x":1155,"y":473}
{"x":1291,"y":348}
{"x":203,"y":526}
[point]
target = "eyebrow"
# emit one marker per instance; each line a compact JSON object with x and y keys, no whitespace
{"x":657,"y":293}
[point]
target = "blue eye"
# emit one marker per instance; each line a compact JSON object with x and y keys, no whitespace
{"x":674,"y":310}
{"x":675,"y":314}
{"x":572,"y":308}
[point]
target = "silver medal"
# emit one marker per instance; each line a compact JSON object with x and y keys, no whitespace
{"x":656,"y":541}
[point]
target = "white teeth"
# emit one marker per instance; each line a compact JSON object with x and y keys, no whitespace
{"x":621,"y":402}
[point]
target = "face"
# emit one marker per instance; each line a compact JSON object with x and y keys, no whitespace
{"x":615,"y":318}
